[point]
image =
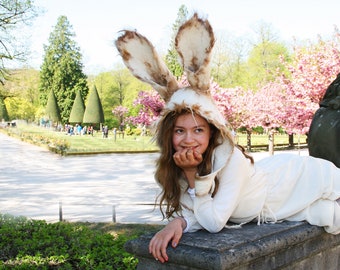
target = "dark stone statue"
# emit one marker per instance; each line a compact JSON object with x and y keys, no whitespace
{"x":324,"y":132}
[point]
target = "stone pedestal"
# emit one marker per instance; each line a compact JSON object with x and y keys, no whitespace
{"x":286,"y":245}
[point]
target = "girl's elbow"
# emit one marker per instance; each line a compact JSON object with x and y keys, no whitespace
{"x":215,"y":228}
{"x":213,"y":224}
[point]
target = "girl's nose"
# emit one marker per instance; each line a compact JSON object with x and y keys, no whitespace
{"x":188,"y":137}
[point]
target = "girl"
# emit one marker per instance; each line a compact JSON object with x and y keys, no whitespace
{"x":206,"y":179}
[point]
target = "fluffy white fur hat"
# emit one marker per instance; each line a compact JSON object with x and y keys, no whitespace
{"x":194,"y":43}
{"x":198,"y":103}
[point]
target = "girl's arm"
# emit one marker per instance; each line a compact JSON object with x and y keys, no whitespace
{"x":171,"y":232}
{"x":213,"y":213}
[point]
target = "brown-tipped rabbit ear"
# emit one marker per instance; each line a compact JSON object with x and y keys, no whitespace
{"x":194,"y":42}
{"x":142,"y":60}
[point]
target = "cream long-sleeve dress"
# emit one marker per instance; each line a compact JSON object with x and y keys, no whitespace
{"x":280,"y":187}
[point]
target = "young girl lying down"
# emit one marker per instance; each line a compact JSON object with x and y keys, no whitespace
{"x":206,"y":179}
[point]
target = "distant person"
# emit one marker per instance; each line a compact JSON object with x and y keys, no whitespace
{"x":91,"y":130}
{"x":105,"y":132}
{"x":79,"y":129}
{"x":114,"y":133}
{"x":121,"y":130}
{"x":70,"y":130}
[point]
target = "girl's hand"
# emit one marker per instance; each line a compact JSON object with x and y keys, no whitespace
{"x":171,"y":232}
{"x":187,"y":158}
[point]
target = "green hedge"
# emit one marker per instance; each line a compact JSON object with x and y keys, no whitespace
{"x":35,"y":244}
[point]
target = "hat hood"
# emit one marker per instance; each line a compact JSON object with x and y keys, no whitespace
{"x":194,"y":42}
{"x":201,"y":104}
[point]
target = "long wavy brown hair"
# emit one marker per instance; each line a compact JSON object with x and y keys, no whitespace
{"x":168,"y":173}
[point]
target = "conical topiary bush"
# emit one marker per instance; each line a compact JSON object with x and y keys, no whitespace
{"x":93,"y":111}
{"x":78,"y":109}
{"x":52,"y":109}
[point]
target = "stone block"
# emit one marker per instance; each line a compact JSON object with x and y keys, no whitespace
{"x":286,"y":245}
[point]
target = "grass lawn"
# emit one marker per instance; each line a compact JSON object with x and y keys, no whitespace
{"x":262,"y":139}
{"x":85,"y":143}
{"x":96,"y":144}
{"x":127,"y":229}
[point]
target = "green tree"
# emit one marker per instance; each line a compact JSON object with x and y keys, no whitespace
{"x":22,"y":93}
{"x":78,"y":109}
{"x":93,"y":110}
{"x":228,"y":65}
{"x":110,"y":94}
{"x":13,"y":16}
{"x":171,"y":59}
{"x":117,"y":88}
{"x":264,"y":58}
{"x":20,"y":108}
{"x":3,"y":110}
{"x":61,"y":70}
{"x":52,"y":109}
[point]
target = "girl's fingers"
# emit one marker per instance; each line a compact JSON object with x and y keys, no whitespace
{"x":187,"y":158}
{"x":198,"y":156}
{"x":157,"y":248}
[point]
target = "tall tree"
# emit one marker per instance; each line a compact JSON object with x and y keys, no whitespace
{"x":111,"y":88}
{"x":264,"y":61}
{"x":3,"y":110}
{"x":62,"y":69}
{"x":228,"y":64}
{"x":171,"y":59}
{"x":13,"y":15}
{"x":93,"y":111}
{"x":22,"y":93}
{"x":117,"y":88}
{"x":52,"y":109}
{"x":78,"y":109}
{"x":312,"y":69}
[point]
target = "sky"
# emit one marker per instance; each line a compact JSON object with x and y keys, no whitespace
{"x":96,"y":23}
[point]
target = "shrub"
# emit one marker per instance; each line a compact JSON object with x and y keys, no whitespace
{"x":35,"y":244}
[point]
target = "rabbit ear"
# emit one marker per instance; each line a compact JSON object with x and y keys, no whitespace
{"x":144,"y":63}
{"x":194,"y":42}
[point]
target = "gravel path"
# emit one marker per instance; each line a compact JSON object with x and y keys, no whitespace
{"x":94,"y":188}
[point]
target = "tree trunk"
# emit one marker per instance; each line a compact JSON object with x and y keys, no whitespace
{"x":248,"y":140}
{"x":271,"y":142}
{"x":291,"y":140}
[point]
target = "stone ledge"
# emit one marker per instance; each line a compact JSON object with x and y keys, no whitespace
{"x":286,"y":245}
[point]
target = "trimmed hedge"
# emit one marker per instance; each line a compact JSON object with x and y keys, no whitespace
{"x":35,"y":244}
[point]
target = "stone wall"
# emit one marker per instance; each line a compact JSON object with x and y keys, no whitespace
{"x":286,"y":245}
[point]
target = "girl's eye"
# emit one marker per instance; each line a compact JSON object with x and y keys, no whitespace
{"x":199,"y":130}
{"x":178,"y":131}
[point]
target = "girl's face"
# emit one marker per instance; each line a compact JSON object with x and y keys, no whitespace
{"x":191,"y":132}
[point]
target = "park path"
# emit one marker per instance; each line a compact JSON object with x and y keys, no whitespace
{"x":94,"y":188}
{"x":33,"y":181}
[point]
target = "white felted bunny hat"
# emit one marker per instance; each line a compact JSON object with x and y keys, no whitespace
{"x":194,"y":43}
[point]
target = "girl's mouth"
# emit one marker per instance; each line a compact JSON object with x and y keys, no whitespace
{"x":191,"y":148}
